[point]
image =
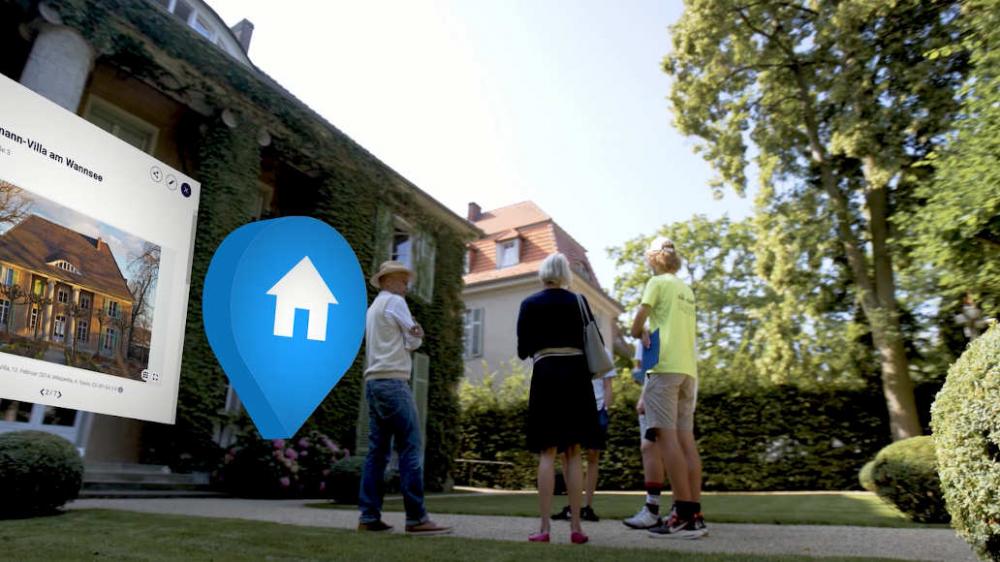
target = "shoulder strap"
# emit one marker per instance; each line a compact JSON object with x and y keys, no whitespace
{"x":583,"y":309}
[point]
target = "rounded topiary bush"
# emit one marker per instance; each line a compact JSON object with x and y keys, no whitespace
{"x":39,"y":472}
{"x":905,"y":475}
{"x":966,"y":422}
{"x":865,"y":477}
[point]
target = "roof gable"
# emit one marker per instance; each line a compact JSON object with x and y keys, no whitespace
{"x":39,"y":245}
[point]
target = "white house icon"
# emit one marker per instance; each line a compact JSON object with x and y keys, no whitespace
{"x":302,"y":288}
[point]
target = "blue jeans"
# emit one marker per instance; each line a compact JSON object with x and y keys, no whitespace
{"x":392,"y":415}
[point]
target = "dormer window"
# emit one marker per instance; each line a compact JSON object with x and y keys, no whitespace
{"x":65,"y":266}
{"x":199,"y":17}
{"x":508,"y":253}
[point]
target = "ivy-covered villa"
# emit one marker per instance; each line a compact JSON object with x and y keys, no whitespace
{"x":171,"y":78}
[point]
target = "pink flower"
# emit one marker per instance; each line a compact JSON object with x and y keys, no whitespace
{"x":304,"y":454}
{"x":285,"y":482}
{"x":278,"y":443}
{"x":303,"y":443}
{"x":290,"y":453}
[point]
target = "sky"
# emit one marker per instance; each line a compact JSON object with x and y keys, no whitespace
{"x":562,"y":103}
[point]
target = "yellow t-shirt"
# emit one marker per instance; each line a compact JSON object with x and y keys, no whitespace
{"x":672,"y":310}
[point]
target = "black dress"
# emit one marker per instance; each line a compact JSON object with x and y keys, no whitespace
{"x":562,"y":410}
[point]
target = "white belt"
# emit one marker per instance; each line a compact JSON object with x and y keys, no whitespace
{"x":556,"y":352}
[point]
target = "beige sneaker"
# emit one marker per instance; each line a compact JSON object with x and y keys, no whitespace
{"x":427,"y":529}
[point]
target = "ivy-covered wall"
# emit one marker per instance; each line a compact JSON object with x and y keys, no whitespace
{"x":346,"y":188}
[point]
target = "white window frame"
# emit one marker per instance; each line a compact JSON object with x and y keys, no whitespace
{"x":96,"y":103}
{"x":4,"y":311}
{"x":109,"y":337}
{"x":112,"y":307}
{"x":59,"y":326}
{"x":6,"y":275}
{"x":62,"y":296}
{"x":33,"y":318}
{"x":84,"y":298}
{"x":470,"y":326}
{"x":82,"y":331}
{"x":399,"y":225}
{"x":501,"y":255}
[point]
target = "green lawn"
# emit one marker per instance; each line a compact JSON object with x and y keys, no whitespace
{"x":113,"y":535}
{"x":846,"y":508}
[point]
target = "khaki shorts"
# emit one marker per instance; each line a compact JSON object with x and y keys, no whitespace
{"x":670,"y":400}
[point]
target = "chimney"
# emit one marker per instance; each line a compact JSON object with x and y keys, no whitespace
{"x":100,"y":243}
{"x":475,"y":212}
{"x":243,"y":32}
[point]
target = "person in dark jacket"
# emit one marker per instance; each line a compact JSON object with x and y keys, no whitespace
{"x":562,"y":412}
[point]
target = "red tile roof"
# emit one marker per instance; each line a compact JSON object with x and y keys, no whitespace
{"x":539,"y":236}
{"x":35,"y":242}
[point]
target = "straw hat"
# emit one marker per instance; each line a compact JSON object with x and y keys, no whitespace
{"x":386,"y":268}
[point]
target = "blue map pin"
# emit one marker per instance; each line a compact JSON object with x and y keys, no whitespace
{"x":284,"y":310}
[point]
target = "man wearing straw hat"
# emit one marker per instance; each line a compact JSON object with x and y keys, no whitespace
{"x":391,"y":335}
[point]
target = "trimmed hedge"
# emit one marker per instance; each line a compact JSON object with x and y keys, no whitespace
{"x":39,"y":472}
{"x":966,"y":421}
{"x":865,"y":477}
{"x":783,"y":438}
{"x":905,"y":475}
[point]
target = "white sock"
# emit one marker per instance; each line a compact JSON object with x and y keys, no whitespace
{"x":652,"y":500}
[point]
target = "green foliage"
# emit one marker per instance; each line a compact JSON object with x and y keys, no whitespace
{"x":769,"y":438}
{"x":345,"y":480}
{"x":865,"y":476}
{"x":905,"y":475}
{"x":278,"y":468}
{"x":966,"y":421}
{"x":765,"y":318}
{"x":841,"y":104}
{"x":959,"y":227}
{"x":39,"y":472}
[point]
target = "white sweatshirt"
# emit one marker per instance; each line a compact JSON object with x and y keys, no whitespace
{"x":388,"y":341}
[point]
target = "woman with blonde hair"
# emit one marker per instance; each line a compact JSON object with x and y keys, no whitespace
{"x":562,"y":412}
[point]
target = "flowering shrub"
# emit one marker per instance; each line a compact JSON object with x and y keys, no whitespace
{"x":280,"y":468}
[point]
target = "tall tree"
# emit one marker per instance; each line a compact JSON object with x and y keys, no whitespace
{"x":959,"y":228}
{"x":144,"y":270}
{"x":840,"y":100}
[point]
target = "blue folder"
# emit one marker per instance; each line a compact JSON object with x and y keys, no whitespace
{"x":651,"y":354}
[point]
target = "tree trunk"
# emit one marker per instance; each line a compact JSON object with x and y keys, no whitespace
{"x":877,"y":295}
{"x":896,"y":383}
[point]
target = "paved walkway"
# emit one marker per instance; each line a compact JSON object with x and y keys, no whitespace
{"x":800,"y":540}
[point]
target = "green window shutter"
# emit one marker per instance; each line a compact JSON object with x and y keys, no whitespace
{"x":361,"y":446}
{"x":383,"y":236}
{"x":419,"y":382}
{"x":426,"y":254}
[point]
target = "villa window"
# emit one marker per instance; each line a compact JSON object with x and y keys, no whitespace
{"x":33,"y":320}
{"x":6,"y":276}
{"x":508,"y":253}
{"x":4,"y":311}
{"x":82,"y":331}
{"x":110,"y":338}
{"x":401,"y":242}
{"x":402,"y":247}
{"x":85,"y":302}
{"x":121,"y":124}
{"x":60,"y":327}
{"x":112,"y":309}
{"x":62,"y":296}
{"x":65,"y":266}
{"x":472,"y":338}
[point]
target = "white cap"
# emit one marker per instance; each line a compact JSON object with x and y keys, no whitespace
{"x":659,"y":243}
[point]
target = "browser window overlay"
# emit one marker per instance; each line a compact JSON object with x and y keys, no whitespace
{"x":96,"y":241}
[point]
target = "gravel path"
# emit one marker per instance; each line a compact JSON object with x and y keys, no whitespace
{"x":801,"y":540}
